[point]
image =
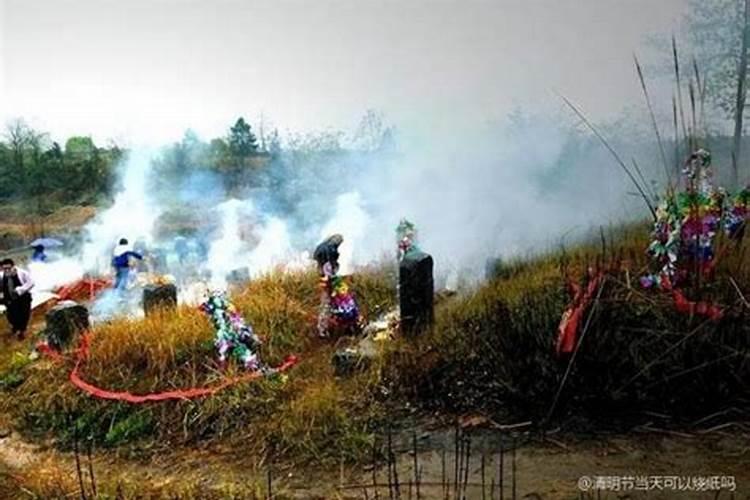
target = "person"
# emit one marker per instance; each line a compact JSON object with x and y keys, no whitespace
{"x":38,"y":255}
{"x":406,"y":235}
{"x":121,"y":262}
{"x":326,"y":254}
{"x":15,"y":287}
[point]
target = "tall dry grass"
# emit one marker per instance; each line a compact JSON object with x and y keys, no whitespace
{"x":493,"y":350}
{"x":306,"y":414}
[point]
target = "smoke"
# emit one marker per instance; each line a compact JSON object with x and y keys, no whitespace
{"x":225,"y":252}
{"x":351,"y":220}
{"x":49,"y":276}
{"x":131,"y":216}
{"x":267,"y":244}
{"x":474,"y":192}
{"x":114,"y":303}
{"x":274,"y":248}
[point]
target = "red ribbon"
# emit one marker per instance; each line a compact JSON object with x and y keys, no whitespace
{"x":701,"y":308}
{"x":571,"y":319}
{"x":82,"y":288}
{"x":178,"y":394}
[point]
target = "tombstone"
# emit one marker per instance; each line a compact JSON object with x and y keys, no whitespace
{"x":156,"y":297}
{"x":158,"y":261}
{"x":349,"y":361}
{"x":64,"y":321}
{"x":238,"y":276}
{"x":416,"y":291}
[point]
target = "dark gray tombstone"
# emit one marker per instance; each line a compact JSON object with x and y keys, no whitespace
{"x":157,"y":297}
{"x":416,"y":291}
{"x":349,"y":361}
{"x":239,"y":276}
{"x":64,"y":321}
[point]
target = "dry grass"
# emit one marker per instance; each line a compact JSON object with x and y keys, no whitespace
{"x":18,"y":226}
{"x":307,"y":415}
{"x":493,"y":350}
{"x":62,"y":219}
{"x":72,"y":216}
{"x":158,"y":350}
{"x":54,"y":481}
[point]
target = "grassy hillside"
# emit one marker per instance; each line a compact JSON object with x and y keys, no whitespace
{"x":300,"y":415}
{"x":490,"y":352}
{"x":19,"y":225}
{"x":494,"y":350}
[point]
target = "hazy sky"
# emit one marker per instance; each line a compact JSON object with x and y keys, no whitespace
{"x":144,"y":70}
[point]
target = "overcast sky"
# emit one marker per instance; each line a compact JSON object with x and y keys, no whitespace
{"x":145,"y":70}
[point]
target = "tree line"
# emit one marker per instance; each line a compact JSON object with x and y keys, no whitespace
{"x":34,"y":169}
{"x":45,"y":174}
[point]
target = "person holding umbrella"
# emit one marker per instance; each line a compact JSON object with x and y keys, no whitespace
{"x":39,"y":245}
{"x":15,"y":295}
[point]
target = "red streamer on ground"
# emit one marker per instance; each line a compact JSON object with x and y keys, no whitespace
{"x":701,"y":308}
{"x":177,"y":394}
{"x":570,"y":324}
{"x":85,"y":288}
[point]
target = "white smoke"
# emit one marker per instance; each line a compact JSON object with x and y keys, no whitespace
{"x":132,"y":215}
{"x":274,"y":247}
{"x":487,"y":192}
{"x":49,"y":276}
{"x":351,"y":221}
{"x":226,"y":252}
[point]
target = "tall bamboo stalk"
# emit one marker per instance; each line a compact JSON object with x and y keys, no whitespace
{"x":653,"y":120}
{"x":614,"y":154}
{"x":678,"y":82}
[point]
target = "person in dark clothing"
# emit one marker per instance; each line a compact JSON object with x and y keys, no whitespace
{"x":327,"y":255}
{"x":15,"y":287}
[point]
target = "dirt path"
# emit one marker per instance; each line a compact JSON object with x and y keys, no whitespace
{"x":543,"y":470}
{"x":16,"y":453}
{"x":552,"y":469}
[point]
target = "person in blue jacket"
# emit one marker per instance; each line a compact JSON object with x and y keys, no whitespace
{"x":121,"y":263}
{"x":39,"y":255}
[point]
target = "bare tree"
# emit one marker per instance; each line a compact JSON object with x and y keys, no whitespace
{"x":18,"y":134}
{"x":27,"y":147}
{"x":372,"y":132}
